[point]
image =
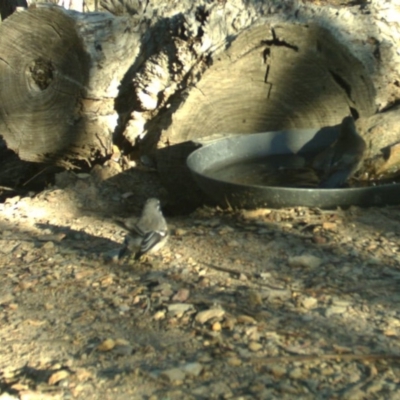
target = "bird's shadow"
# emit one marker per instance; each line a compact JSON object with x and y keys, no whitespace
{"x":96,"y":247}
{"x":81,"y":240}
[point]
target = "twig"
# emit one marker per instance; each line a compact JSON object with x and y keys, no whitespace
{"x":35,"y":176}
{"x":237,"y":275}
{"x":223,"y":269}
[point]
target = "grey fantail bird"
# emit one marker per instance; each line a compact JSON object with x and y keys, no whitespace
{"x":148,"y":234}
{"x":342,"y":158}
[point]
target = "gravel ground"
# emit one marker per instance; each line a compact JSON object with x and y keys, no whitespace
{"x":266,"y":304}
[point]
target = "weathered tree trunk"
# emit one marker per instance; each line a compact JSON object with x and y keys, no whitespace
{"x":57,"y":91}
{"x":175,"y":72}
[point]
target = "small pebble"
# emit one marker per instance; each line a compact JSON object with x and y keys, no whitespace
{"x":255,"y":346}
{"x":309,"y":302}
{"x":203,"y":316}
{"x":181,"y":295}
{"x":192,"y":369}
{"x":305,"y":261}
{"x":234,"y":361}
{"x":334,"y":310}
{"x":216,"y":326}
{"x":296,"y":373}
{"x":106,"y":345}
{"x":174,"y":375}
{"x":277,"y":371}
{"x":179,"y":309}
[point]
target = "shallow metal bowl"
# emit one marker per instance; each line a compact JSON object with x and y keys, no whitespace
{"x":244,"y":148}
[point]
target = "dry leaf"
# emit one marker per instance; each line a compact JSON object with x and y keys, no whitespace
{"x":106,"y":281}
{"x":58,"y":376}
{"x":35,"y":322}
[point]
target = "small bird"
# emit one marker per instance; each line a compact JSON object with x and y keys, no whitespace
{"x":148,"y":234}
{"x":342,"y":158}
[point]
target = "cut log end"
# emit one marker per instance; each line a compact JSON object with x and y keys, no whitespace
{"x":43,"y":77}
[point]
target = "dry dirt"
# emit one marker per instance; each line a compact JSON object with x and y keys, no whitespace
{"x":268,"y":304}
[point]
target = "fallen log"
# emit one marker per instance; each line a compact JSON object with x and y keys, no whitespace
{"x":172,"y":73}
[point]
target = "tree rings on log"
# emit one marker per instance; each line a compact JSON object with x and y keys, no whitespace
{"x":43,"y":72}
{"x":272,"y":78}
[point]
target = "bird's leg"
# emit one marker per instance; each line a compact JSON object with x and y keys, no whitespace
{"x":143,"y":259}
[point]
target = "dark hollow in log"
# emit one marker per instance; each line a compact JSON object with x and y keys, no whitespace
{"x":7,"y":7}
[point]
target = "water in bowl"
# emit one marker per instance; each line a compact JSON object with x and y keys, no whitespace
{"x":284,"y":170}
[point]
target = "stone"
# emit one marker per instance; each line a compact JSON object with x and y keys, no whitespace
{"x":234,"y":361}
{"x":181,"y":295}
{"x":106,"y":345}
{"x":192,"y":369}
{"x":123,"y":350}
{"x":180,"y":232}
{"x":203,"y":316}
{"x":334,"y":310}
{"x":173,"y":375}
{"x":277,"y":371}
{"x":296,"y":373}
{"x":216,"y":326}
{"x":272,"y":294}
{"x":255,"y":346}
{"x":159,"y":315}
{"x":309,"y":302}
{"x":178,"y":309}
{"x":305,"y":261}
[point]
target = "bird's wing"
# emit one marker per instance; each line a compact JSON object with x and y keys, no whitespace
{"x":151,"y":239}
{"x":150,"y":222}
{"x":344,"y":161}
{"x":322,"y":161}
{"x":129,"y":224}
{"x":138,"y":230}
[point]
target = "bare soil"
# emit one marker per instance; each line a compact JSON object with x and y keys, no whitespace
{"x":267,"y":304}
